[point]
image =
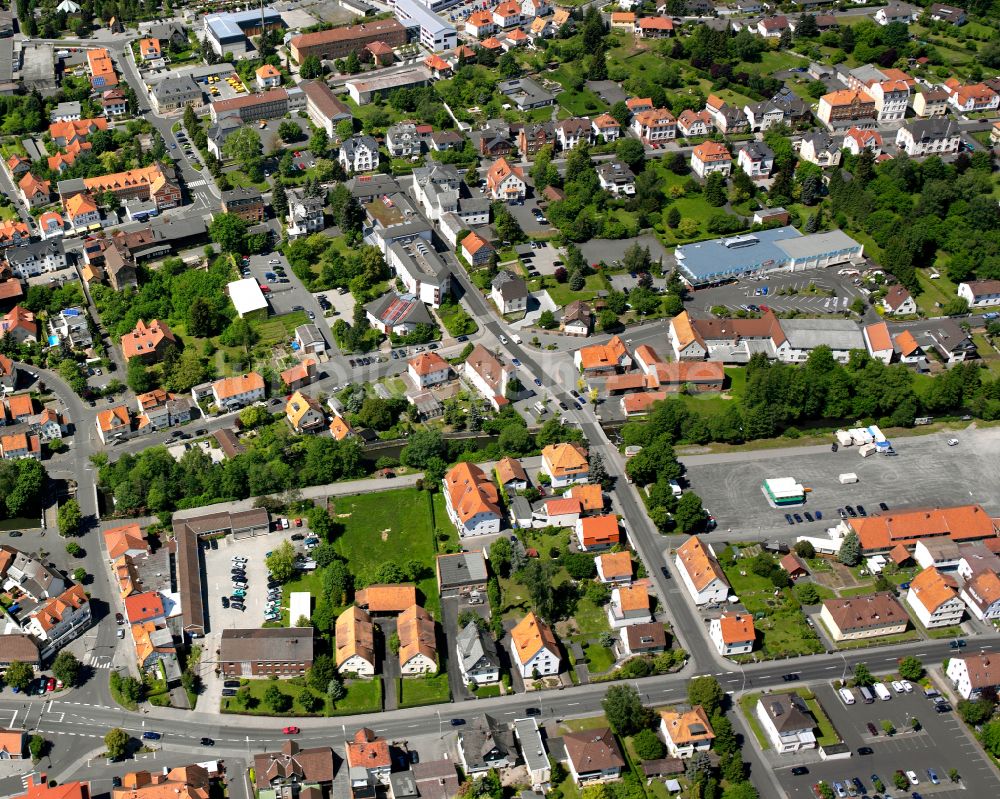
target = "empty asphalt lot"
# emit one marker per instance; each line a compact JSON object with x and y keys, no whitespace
{"x":925,"y":473}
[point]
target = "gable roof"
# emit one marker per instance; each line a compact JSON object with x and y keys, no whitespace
{"x":531,"y":635}
{"x":565,"y":459}
{"x":737,"y":628}
{"x":687,"y":727}
{"x":933,"y":589}
{"x":354,"y":635}
{"x":471,"y":492}
{"x":416,"y":632}
{"x":874,"y":610}
{"x":590,"y":495}
{"x":387,"y":598}
{"x":701,"y":566}
{"x":368,"y":751}
{"x":593,"y":750}
{"x":509,"y":470}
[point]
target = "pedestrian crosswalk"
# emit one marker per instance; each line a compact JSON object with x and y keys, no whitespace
{"x":26,"y":778}
{"x":195,"y":183}
{"x":98,"y":661}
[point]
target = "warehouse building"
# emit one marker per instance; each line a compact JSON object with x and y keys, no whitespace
{"x":432,"y":31}
{"x":778,"y":249}
{"x":230,"y":33}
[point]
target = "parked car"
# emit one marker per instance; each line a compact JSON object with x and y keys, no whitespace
{"x":290,"y":730}
{"x":119,"y":618}
{"x":798,"y":771}
{"x":457,"y":722}
{"x":912,"y":777}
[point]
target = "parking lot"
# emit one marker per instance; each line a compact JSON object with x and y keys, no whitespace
{"x":751,"y":292}
{"x":544,"y":258}
{"x":941,"y":744}
{"x":925,"y":473}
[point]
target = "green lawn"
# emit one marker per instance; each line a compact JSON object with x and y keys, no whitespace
{"x":599,"y":658}
{"x":748,"y":704}
{"x":563,"y":295}
{"x":488,"y":691}
{"x":277,"y":329}
{"x":827,"y":734}
{"x":431,"y":690}
{"x":391,"y":526}
{"x":456,"y":321}
{"x":363,"y":696}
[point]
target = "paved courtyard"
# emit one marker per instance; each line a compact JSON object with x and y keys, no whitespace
{"x":926,"y":473}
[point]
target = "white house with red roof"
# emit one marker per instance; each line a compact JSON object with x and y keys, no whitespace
{"x":505,"y":182}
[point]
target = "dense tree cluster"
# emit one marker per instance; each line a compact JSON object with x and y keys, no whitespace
{"x":276,"y":460}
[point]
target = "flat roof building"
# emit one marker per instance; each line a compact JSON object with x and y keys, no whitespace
{"x":772,"y":250}
{"x":230,"y":32}
{"x":247,"y":297}
{"x":364,"y":91}
{"x":434,"y":33}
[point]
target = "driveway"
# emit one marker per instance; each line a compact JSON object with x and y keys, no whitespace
{"x":538,"y":302}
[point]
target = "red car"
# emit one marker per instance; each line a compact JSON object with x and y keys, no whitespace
{"x":290,"y":730}
{"x":50,"y":686}
{"x":298,"y":522}
{"x":265,"y":289}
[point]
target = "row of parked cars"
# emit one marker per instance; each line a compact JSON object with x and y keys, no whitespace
{"x":40,"y":686}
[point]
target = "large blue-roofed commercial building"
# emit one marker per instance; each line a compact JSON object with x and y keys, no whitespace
{"x":782,"y":248}
{"x":231,"y":32}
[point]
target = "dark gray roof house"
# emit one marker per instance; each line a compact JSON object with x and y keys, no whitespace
{"x":461,"y":570}
{"x":486,"y":743}
{"x":477,"y":651}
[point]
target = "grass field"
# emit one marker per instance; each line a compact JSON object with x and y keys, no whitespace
{"x":748,"y":704}
{"x":827,"y":734}
{"x":363,"y":696}
{"x":392,"y":527}
{"x":277,"y":329}
{"x":431,"y":690}
{"x":563,"y":295}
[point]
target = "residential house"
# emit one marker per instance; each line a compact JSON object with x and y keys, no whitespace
{"x":487,"y":743}
{"x":614,"y":567}
{"x":461,"y":574}
{"x":488,"y":374}
{"x":623,"y":20}
{"x":642,"y":639}
{"x":480,"y":24}
{"x":772,"y":27}
{"x":505,"y":182}
{"x":933,"y":597}
{"x":943,"y":13}
{"x":148,"y":342}
{"x":304,"y":413}
{"x":700,"y":572}
{"x":369,"y":755}
{"x":402,"y":141}
{"x":593,"y":756}
{"x":386,"y":599}
{"x":113,"y":423}
{"x":974,"y":675}
{"x":59,"y":619}
{"x":557,"y":512}
{"x":397,"y":313}
{"x":856,"y":140}
{"x":899,"y":301}
{"x":478,"y":659}
{"x":794,"y":566}
{"x":565,"y":464}
{"x":20,"y":445}
{"x":532,"y":137}
{"x":710,"y":157}
{"x":246,"y":203}
{"x":256,"y":652}
{"x":428,"y":369}
{"x":268,"y":77}
{"x":292,"y":766}
{"x":654,"y":27}
{"x":302,"y":374}
{"x":760,"y":116}
{"x":616,"y":178}
{"x":931,"y":102}
{"x":33,"y":191}
{"x":12,"y":744}
{"x":359,"y":154}
{"x":424,"y":273}
{"x":654,"y":126}
{"x":417,"y":642}
{"x":786,"y":722}
{"x":630,"y":604}
{"x":232,"y":393}
{"x":733,"y":634}
{"x":607,"y":127}
{"x":728,"y":119}
{"x":31,"y":260}
{"x":8,"y":373}
{"x":507,"y":14}
{"x":820,"y":149}
{"x":511,"y":475}
{"x":971,"y":97}
{"x":756,"y":159}
{"x":980,"y":293}
{"x":577,"y":319}
{"x":82,"y":212}
{"x":894,"y":12}
{"x":686,"y":732}
{"x":863,"y":617}
{"x":694,"y":123}
{"x":590,"y":497}
{"x":891,"y":98}
{"x":597,"y":532}
{"x":534,"y":647}
{"x":929,"y":137}
{"x":509,"y":292}
{"x":571,"y":133}
{"x":355,"y":643}
{"x":472,"y":500}
{"x":477,"y":250}
{"x":305,"y":214}
{"x":601,"y":359}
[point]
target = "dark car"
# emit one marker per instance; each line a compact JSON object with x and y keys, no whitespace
{"x":231,"y":684}
{"x":858,"y":784}
{"x":462,"y":338}
{"x":865,"y":750}
{"x":792,"y":677}
{"x":225,"y":602}
{"x":883,"y":506}
{"x":850,"y":511}
{"x":15,"y":534}
{"x":834,"y":447}
{"x":798,"y":771}
{"x":229,"y":692}
{"x":564,"y":406}
{"x":945,"y":708}
{"x":808,"y":515}
{"x":789,"y":519}
{"x":298,"y":536}
{"x":457,"y":722}
{"x":862,"y":511}
{"x":872,"y":728}
{"x":207,"y":742}
{"x":149,"y":735}
{"x":119,"y":619}
{"x":533,"y":711}
{"x":797,"y":517}
{"x":819,"y":515}
{"x":237,"y":604}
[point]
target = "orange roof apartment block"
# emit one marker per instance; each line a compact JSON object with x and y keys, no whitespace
{"x":387,"y":598}
{"x":590,"y":495}
{"x":933,"y":596}
{"x":598,"y":532}
{"x":355,"y":643}
{"x":147,"y":183}
{"x":733,"y":634}
{"x":472,"y":500}
{"x":102,"y":70}
{"x":126,"y":540}
{"x":534,"y":647}
{"x":369,"y":752}
{"x":686,"y":732}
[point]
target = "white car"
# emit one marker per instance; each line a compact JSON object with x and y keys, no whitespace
{"x":952,"y":442}
{"x":503,"y":340}
{"x":912,"y":776}
{"x":907,"y":686}
{"x":897,"y":686}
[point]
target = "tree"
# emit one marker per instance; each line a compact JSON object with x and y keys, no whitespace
{"x":547,"y":320}
{"x":976,"y":712}
{"x":138,"y":376}
{"x":807,"y":593}
{"x":344,"y":129}
{"x":647,"y":745}
{"x":74,"y":550}
{"x":116,"y":743}
{"x":36,"y":745}
{"x":807,"y":28}
{"x":707,"y":692}
{"x":991,"y":737}
{"x":901,"y":781}
{"x":311,"y":67}
{"x":279,"y":200}
{"x":673,"y":216}
{"x":353,"y":64}
{"x":335,"y":689}
{"x":577,"y":281}
{"x":690,"y":515}
{"x":850,"y":550}
{"x":321,"y":672}
{"x":598,"y":472}
{"x":244,"y":147}
{"x":804,"y":549}
{"x":741,"y":790}
{"x":508,"y":66}
{"x":624,"y":710}
{"x":289,"y":131}
{"x":276,"y":699}
{"x":281,"y":562}
{"x":229,"y":232}
{"x":580,"y":565}
{"x":862,"y":676}
{"x":66,"y":668}
{"x":715,"y":189}
{"x":394,"y":642}
{"x":910,"y":668}
{"x":18,"y":675}
{"x":202,"y":318}
{"x":631,"y":152}
{"x":69,"y":517}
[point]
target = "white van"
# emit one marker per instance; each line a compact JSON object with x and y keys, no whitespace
{"x":847,"y":695}
{"x":882,"y":692}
